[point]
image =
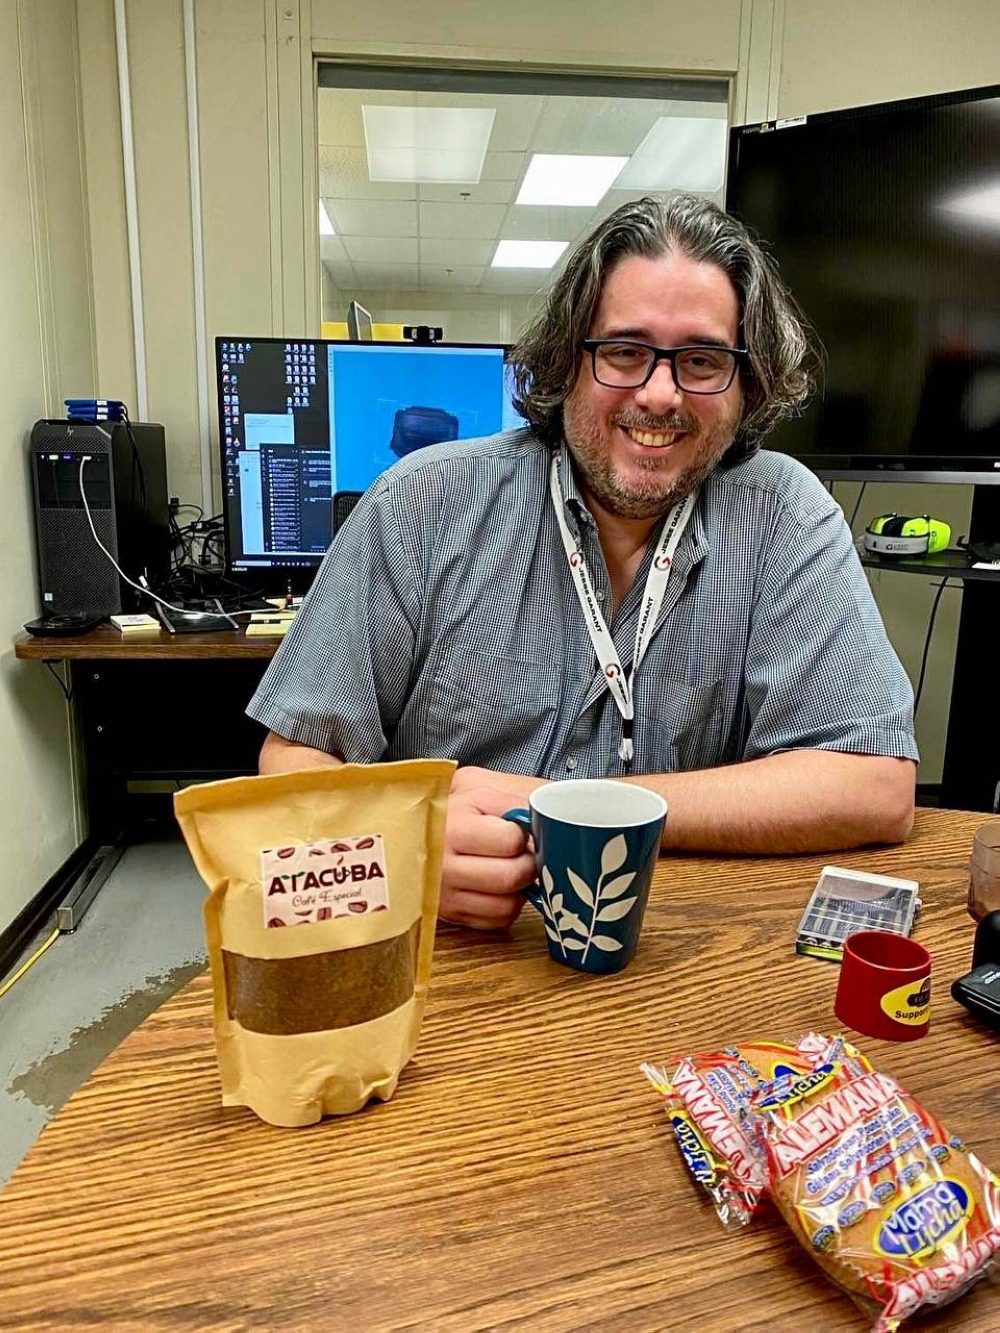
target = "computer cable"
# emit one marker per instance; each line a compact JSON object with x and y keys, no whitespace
{"x":857,"y":506}
{"x":142,"y":587}
{"x":67,"y":690}
{"x":30,"y":963}
{"x":927,"y":643}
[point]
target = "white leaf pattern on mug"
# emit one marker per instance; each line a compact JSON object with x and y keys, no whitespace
{"x":550,"y":913}
{"x":570,"y":921}
{"x":561,"y":923}
{"x":613,"y":857}
{"x":617,"y":886}
{"x":614,"y":854}
{"x":615,"y":911}
{"x":583,"y":889}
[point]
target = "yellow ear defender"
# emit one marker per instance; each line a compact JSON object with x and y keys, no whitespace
{"x":895,"y":536}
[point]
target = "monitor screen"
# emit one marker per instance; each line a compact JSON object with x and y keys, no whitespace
{"x":359,"y":323}
{"x":301,"y":420}
{"x":885,"y":223}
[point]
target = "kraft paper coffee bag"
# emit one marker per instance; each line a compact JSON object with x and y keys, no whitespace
{"x":320,"y":921}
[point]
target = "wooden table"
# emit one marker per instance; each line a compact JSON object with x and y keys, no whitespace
{"x":524,"y":1177}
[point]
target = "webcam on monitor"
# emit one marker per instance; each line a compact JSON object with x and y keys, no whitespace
{"x":422,"y":333}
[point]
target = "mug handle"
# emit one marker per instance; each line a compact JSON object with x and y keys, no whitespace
{"x":522,"y":818}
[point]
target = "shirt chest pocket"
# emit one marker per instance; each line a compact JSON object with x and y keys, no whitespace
{"x":682,"y":722}
{"x":493,"y":711}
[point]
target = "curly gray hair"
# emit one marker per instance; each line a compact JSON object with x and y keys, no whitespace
{"x":777,"y":376}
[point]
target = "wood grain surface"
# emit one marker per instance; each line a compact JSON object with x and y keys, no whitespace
{"x":523,"y":1178}
{"x":107,"y":642}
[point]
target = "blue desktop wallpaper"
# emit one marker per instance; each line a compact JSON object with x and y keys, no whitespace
{"x":409,"y":397}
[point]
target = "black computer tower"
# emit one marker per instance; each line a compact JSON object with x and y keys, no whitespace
{"x":122,"y":474}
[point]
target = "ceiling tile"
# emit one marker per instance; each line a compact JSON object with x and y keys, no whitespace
{"x":461,"y":278}
{"x":600,"y":125}
{"x":464,"y":221}
{"x":331,"y":249}
{"x":383,"y":277}
{"x":514,"y":126}
{"x":514,"y":281}
{"x":503,"y":166}
{"x":381,"y":249}
{"x":516,"y":115}
{"x":544,"y":222}
{"x":451,"y":252}
{"x":361,"y":218}
{"x":678,"y":153}
{"x":438,"y":144}
{"x":387,"y":226}
{"x":339,"y":120}
{"x":343,"y":174}
{"x":486,"y":192}
{"x":342,"y":275}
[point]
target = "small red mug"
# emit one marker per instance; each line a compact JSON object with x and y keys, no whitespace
{"x":884,"y":989}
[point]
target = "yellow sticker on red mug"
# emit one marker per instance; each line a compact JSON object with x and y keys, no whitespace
{"x":909,"y":1004}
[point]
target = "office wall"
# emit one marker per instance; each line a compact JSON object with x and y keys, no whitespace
{"x":46,"y":350}
{"x":856,"y":52}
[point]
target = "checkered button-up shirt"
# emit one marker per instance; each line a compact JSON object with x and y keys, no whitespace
{"x":444,"y":622}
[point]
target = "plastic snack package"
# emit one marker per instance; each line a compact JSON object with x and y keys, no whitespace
{"x":320,"y":921}
{"x":708,"y":1098}
{"x":891,"y":1206}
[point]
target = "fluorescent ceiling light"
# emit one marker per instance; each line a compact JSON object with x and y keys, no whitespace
{"x":679,"y":153}
{"x":568,"y":179}
{"x":980,"y":206}
{"x":527,"y":254}
{"x":435,"y":145}
{"x":325,"y":225}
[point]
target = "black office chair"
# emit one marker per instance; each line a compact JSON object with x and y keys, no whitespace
{"x":343,"y":503}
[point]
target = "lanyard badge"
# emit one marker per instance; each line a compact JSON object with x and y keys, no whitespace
{"x":619,"y":681}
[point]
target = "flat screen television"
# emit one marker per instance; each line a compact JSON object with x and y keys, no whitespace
{"x":301,"y":420}
{"x":885,"y":221}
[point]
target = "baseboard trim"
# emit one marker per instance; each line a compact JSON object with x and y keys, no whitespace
{"x":19,"y":934}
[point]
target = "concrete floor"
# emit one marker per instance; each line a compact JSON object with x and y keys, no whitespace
{"x":140,"y":941}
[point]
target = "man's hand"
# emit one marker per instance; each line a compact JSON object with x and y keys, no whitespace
{"x":486,"y":859}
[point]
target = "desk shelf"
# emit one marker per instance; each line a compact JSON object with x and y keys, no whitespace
{"x":107,"y":642}
{"x":951,"y":564}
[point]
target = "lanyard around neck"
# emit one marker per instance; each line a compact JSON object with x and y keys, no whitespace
{"x":619,"y":681}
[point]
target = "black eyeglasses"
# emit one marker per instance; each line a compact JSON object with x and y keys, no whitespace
{"x":622,"y":364}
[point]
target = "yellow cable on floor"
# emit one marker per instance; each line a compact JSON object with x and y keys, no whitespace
{"x":33,"y":959}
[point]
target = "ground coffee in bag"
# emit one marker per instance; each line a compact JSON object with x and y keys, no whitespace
{"x":320,"y":922}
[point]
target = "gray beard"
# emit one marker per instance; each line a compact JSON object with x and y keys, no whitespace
{"x":605,"y":486}
{"x":586,"y":439}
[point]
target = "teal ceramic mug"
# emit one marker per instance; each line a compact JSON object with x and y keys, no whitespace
{"x":596,"y":844}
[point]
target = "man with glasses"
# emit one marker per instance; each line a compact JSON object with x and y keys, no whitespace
{"x":628,"y":588}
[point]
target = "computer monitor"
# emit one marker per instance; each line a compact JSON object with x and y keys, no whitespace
{"x":301,"y":420}
{"x":359,"y":323}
